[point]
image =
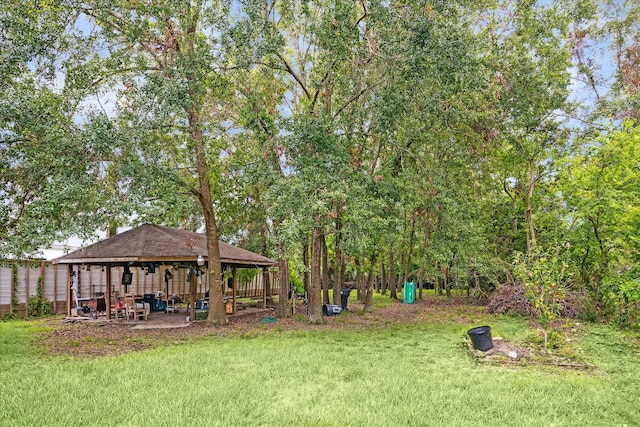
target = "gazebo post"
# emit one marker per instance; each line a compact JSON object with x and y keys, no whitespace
{"x":107,"y":297}
{"x":192,"y":294}
{"x":69,"y":271}
{"x":234,"y":285}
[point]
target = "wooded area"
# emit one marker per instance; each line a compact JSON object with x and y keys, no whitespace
{"x":469,"y":144}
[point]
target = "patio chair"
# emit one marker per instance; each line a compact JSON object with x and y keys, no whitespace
{"x":118,"y":310}
{"x":132,"y":308}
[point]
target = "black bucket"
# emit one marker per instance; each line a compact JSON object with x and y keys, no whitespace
{"x":481,"y":338}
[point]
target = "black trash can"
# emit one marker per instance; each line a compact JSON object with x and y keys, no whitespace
{"x":344,"y":297}
{"x":330,"y":310}
{"x":481,"y":338}
{"x":151,"y":299}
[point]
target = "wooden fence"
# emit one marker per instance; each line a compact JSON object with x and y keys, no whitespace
{"x":20,"y":280}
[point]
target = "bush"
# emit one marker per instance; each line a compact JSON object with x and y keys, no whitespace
{"x":37,"y":305}
{"x":621,"y":298}
{"x":546,"y":277}
{"x":9,"y":316}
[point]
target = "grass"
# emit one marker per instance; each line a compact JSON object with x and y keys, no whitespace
{"x":418,"y":374}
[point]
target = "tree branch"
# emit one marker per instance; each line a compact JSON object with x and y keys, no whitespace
{"x":291,"y":71}
{"x":353,"y":99}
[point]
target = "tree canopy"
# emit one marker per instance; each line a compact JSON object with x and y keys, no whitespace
{"x":449,"y":142}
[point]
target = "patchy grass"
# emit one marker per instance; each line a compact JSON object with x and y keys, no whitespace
{"x":401,"y":365}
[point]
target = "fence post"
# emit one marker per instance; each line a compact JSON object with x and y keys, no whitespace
{"x":55,"y":288}
{"x":42,"y":282}
{"x":12,"y":288}
{"x":26,"y":288}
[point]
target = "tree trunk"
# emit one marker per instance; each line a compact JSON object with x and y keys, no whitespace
{"x":268,"y":299}
{"x":392,"y":275}
{"x":528,"y":216}
{"x":400,"y":275}
{"x":305,"y":260}
{"x":385,"y":279}
{"x":359,"y":280}
{"x":217,"y":314}
{"x":193,"y":110}
{"x":368,"y":294}
{"x":283,"y":295}
{"x":339,"y":262}
{"x":447,"y":282}
{"x":410,"y":252}
{"x":315,"y":305}
{"x":325,"y":270}
{"x":420,"y":278}
{"x":425,"y":244}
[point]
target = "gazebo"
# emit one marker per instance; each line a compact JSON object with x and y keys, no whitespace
{"x":153,"y":247}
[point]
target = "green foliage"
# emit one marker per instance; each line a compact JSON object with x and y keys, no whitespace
{"x":546,"y":276}
{"x":38,"y":306}
{"x":600,"y":187}
{"x":621,"y":298}
{"x":552,"y":339}
{"x":435,"y":129}
{"x":294,"y":278}
{"x":14,"y":284}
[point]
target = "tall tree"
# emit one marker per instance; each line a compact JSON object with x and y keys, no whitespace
{"x":171,"y":60}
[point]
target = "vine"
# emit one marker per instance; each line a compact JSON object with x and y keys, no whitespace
{"x":38,"y":306}
{"x":14,"y":293}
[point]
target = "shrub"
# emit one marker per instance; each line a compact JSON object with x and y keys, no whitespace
{"x":621,"y":298}
{"x":546,"y":278}
{"x":37,"y":305}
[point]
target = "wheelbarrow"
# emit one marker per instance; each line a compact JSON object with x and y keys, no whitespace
{"x":97,"y":305}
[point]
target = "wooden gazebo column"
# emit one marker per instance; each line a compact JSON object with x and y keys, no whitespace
{"x":234,"y":286}
{"x":192,"y":294}
{"x":69,"y":271}
{"x":107,"y":296}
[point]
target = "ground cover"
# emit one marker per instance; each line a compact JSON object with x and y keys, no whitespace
{"x":401,"y":365}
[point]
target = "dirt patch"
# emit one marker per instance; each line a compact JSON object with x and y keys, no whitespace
{"x":561,"y":353}
{"x":97,"y":339}
{"x":502,"y":351}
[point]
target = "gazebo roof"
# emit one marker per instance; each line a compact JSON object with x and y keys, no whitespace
{"x":154,"y":243}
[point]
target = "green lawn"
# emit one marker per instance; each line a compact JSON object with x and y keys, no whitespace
{"x":419,"y":374}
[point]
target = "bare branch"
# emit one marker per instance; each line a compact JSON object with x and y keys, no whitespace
{"x":291,"y":71}
{"x":354,"y":98}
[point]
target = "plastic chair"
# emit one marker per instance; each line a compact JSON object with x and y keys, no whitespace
{"x":171,"y":306}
